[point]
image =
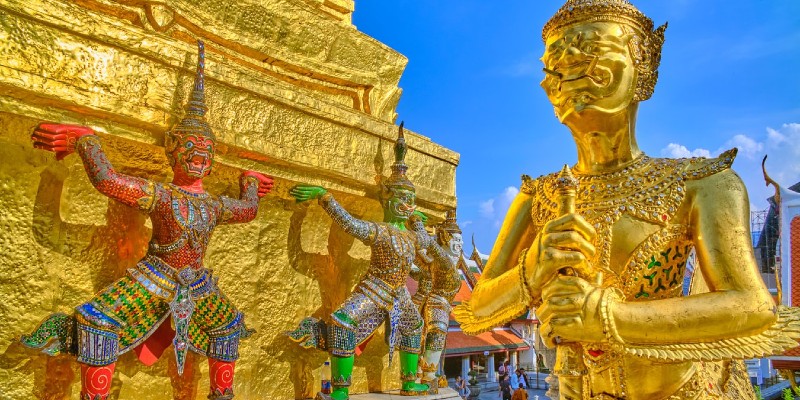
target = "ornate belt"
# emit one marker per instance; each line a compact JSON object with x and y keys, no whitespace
{"x":164,"y":281}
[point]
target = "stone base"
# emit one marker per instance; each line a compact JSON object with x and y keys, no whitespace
{"x":444,"y":394}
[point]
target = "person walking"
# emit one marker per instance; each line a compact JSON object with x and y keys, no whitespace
{"x":520,"y":393}
{"x":513,"y":379}
{"x":522,"y":377}
{"x":505,"y":388}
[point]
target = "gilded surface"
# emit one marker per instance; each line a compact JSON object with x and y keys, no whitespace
{"x":299,"y":101}
{"x":604,"y":264}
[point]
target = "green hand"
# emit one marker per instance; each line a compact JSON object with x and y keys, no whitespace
{"x":303,"y":193}
{"x":421,"y":215}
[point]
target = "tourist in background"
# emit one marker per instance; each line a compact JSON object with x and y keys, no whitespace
{"x":461,"y":387}
{"x":520,"y":393}
{"x":522,"y":378}
{"x":513,"y":379}
{"x":505,"y":388}
{"x":504,"y":369}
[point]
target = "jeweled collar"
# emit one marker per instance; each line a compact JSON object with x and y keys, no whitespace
{"x":185,"y":192}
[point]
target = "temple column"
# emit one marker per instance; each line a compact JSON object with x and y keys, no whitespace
{"x":490,"y":370}
{"x":513,"y":360}
{"x":465,"y":367}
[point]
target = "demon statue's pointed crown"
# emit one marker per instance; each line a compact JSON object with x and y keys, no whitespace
{"x":645,"y":44}
{"x":194,"y":121}
{"x":446,"y":229}
{"x":398,"y":178}
{"x":450,"y":224}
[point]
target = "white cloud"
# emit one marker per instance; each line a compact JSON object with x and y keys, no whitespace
{"x":674,"y":150}
{"x":508,"y":196}
{"x":782,"y":145}
{"x":487,"y":208}
{"x":783,"y":148}
{"x":494,"y":210}
{"x":747,"y":146}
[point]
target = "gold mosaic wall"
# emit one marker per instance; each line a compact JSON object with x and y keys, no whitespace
{"x":294,"y":91}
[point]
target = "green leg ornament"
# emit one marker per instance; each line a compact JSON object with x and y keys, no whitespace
{"x":342,"y":374}
{"x":408,"y":374}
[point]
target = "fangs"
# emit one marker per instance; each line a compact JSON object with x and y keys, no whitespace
{"x":195,"y":166}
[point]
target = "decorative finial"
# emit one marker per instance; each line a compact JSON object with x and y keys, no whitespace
{"x":194,"y":121}
{"x":398,"y":178}
{"x":567,"y":189}
{"x":771,"y":181}
{"x":566,"y":182}
{"x":400,"y":147}
{"x":450,"y":223}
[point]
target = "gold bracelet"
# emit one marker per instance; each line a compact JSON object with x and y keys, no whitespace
{"x":609,"y":326}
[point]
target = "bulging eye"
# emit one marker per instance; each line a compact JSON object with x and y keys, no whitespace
{"x":189,"y":145}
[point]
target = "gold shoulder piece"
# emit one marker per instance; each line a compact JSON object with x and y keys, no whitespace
{"x":702,"y":167}
{"x":527,"y":184}
{"x":472,"y":325}
{"x":781,"y":336}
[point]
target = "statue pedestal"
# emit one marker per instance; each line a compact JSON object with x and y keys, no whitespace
{"x":444,"y":393}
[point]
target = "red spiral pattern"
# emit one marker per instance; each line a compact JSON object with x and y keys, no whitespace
{"x":220,"y":374}
{"x":96,"y":380}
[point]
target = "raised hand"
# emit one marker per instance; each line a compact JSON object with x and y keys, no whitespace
{"x":571,"y":311}
{"x":58,"y":138}
{"x":265,"y":183}
{"x":564,"y":243}
{"x":420,"y":216}
{"x":303,"y":193}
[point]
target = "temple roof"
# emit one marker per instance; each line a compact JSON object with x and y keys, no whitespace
{"x":500,"y":339}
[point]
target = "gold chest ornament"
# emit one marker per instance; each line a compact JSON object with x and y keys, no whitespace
{"x":651,"y":190}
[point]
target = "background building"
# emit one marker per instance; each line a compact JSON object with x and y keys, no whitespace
{"x":513,"y":342}
{"x":779,"y":246}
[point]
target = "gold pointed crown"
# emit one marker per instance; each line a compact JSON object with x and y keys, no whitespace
{"x":645,"y":45}
{"x":398,"y":178}
{"x":194,"y":120}
{"x":450,"y":224}
{"x":446,"y":229}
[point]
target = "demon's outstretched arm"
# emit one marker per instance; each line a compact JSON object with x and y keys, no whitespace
{"x":253,"y":186}
{"x":64,"y":139}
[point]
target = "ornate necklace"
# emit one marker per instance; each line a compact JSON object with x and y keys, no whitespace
{"x":192,"y":215}
{"x":649,"y":189}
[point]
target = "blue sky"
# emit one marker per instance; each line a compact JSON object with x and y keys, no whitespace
{"x":729,"y":76}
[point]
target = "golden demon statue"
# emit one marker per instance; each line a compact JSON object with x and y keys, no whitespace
{"x":168,"y":296}
{"x":601,"y":249}
{"x":381,"y":295}
{"x":438,"y":282}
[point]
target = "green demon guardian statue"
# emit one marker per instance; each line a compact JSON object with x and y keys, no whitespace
{"x":381,"y":295}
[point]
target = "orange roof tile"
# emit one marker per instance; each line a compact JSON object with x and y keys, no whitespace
{"x":793,"y":352}
{"x":464,"y":293}
{"x":459,"y":343}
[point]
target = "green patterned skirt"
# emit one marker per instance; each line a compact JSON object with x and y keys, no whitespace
{"x":126,"y":313}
